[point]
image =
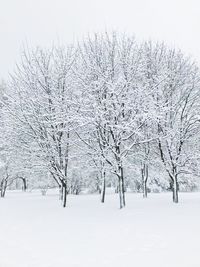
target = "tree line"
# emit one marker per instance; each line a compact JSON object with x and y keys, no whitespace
{"x":107,"y":112}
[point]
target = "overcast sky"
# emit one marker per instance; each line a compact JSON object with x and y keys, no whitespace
{"x":42,"y":22}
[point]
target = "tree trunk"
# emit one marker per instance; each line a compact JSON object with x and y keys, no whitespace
{"x":103,"y":188}
{"x":64,"y":195}
{"x":24,"y":185}
{"x":3,"y":188}
{"x":2,"y":192}
{"x":121,"y":189}
{"x":120,"y":194}
{"x":145,"y":175}
{"x":175,"y":190}
{"x":145,"y":188}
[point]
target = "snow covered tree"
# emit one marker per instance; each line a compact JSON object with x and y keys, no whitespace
{"x":114,"y":100}
{"x":177,"y":96}
{"x":43,"y":100}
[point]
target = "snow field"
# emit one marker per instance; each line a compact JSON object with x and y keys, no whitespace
{"x":35,"y":231}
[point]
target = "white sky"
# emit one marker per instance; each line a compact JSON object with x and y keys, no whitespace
{"x":42,"y":22}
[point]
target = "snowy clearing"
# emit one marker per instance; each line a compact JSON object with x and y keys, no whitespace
{"x":35,"y":231}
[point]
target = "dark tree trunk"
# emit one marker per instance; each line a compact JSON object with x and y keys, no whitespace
{"x":175,"y":190}
{"x":3,"y":188}
{"x":64,"y":195}
{"x":121,"y":188}
{"x":103,"y":188}
{"x":145,"y":189}
{"x":145,"y":175}
{"x":2,"y":193}
{"x":121,"y":195}
{"x":24,"y":184}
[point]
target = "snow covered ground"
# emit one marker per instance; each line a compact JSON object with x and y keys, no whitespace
{"x":37,"y":231}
